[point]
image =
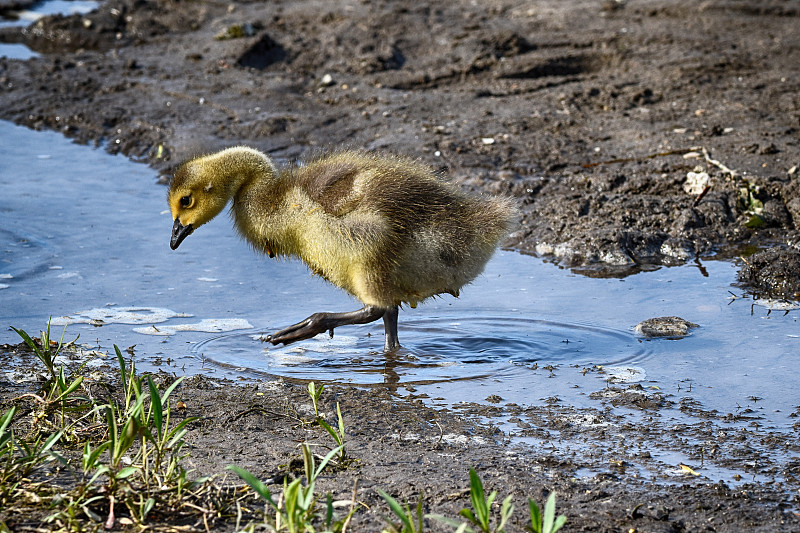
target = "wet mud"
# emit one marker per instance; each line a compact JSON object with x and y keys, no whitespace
{"x":633,"y":134}
{"x":601,"y":461}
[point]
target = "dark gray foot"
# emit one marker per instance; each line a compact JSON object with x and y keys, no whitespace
{"x":322,"y":322}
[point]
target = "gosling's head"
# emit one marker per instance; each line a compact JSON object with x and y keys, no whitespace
{"x":202,"y":187}
{"x":194,"y":199}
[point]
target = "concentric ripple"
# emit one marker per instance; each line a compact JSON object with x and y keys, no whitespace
{"x":435,"y":349}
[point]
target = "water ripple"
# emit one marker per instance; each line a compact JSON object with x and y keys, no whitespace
{"x":435,"y":350}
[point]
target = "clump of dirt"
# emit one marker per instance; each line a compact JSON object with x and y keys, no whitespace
{"x":774,"y":273}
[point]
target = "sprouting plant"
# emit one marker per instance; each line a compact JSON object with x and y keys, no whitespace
{"x":547,"y":523}
{"x":163,"y":440}
{"x":44,"y":350}
{"x":315,"y":392}
{"x":57,"y":388}
{"x":131,"y":386}
{"x":90,"y":461}
{"x":141,"y":507}
{"x":408,"y":522}
{"x":295,"y":510}
{"x":18,"y":458}
{"x":34,"y":453}
{"x":6,"y":436}
{"x":6,"y":448}
{"x":480,"y":514}
{"x":337,"y":433}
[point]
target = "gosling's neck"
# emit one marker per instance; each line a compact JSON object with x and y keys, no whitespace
{"x":239,"y":166}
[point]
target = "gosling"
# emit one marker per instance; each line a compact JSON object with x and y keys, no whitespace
{"x":384,"y":228}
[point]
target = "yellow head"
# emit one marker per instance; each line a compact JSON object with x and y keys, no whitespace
{"x":202,"y":187}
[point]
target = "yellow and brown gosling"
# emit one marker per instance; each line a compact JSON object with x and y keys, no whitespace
{"x":384,"y":228}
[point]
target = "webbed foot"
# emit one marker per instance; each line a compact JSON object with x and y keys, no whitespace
{"x":322,"y":322}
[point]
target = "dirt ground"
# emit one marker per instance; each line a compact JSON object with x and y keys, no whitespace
{"x":632,"y":133}
{"x":598,"y":460}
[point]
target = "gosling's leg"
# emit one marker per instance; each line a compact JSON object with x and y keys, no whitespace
{"x":390,"y":324}
{"x":321,"y":322}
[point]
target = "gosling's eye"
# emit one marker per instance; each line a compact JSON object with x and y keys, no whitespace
{"x":186,"y":201}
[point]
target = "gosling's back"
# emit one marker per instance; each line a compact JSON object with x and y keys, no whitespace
{"x":385,"y":228}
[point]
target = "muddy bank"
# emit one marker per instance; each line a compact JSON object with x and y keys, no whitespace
{"x":592,"y":114}
{"x":396,"y":443}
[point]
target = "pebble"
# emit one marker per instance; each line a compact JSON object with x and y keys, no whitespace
{"x":326,"y":81}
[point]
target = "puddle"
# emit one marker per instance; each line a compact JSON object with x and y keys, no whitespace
{"x":27,"y":17}
{"x":84,"y":237}
{"x":444,"y":347}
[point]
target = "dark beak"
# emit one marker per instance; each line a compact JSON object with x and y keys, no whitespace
{"x":179,"y":232}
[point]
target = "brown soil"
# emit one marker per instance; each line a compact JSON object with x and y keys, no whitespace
{"x":598,"y":460}
{"x":591,"y":113}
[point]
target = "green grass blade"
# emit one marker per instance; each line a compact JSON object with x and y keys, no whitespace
{"x":331,"y":431}
{"x":180,"y":430}
{"x":326,"y":460}
{"x":308,"y":462}
{"x":469,"y":515}
{"x":506,"y":510}
{"x":478,"y":499}
{"x":420,"y":515}
{"x":127,"y":472}
{"x":156,"y":406}
{"x":549,"y":513}
{"x":559,"y":523}
{"x":536,"y":516}
{"x":341,"y":422}
{"x":123,"y":373}
{"x":5,"y":420}
{"x":398,"y":510}
{"x":69,"y":389}
{"x":256,"y":484}
{"x":165,"y":396}
{"x":51,"y":441}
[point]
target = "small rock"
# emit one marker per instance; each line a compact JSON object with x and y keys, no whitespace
{"x":665,"y":326}
{"x":696,"y":182}
{"x":326,"y":81}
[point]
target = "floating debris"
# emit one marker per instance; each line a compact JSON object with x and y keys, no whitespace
{"x":207,"y":325}
{"x":774,"y":304}
{"x":119,"y":315}
{"x":625,"y":374}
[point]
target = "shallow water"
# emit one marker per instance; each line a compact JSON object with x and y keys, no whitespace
{"x":84,"y":238}
{"x":29,"y":16}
